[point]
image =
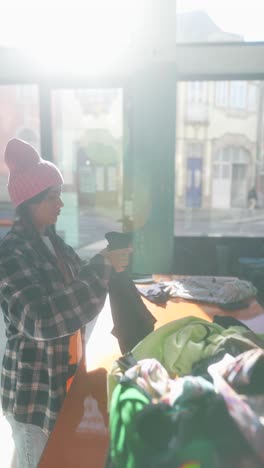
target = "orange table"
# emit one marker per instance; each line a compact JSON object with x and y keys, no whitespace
{"x":69,"y":447}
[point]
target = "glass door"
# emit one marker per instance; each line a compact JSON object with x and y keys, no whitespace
{"x":87,"y":138}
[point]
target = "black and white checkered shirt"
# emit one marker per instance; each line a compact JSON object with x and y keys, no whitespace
{"x":41,"y":312}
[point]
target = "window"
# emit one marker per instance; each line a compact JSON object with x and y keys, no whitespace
{"x":235,"y":95}
{"x":217,"y":164}
{"x":221,"y":93}
{"x":87,"y":146}
{"x":194,"y":150}
{"x":197,"y":91}
{"x":238,"y":95}
{"x":19,"y":117}
{"x":252,"y":97}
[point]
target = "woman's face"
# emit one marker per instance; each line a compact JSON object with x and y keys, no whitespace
{"x":47,"y":211}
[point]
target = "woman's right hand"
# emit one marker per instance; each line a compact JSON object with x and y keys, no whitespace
{"x":119,"y":258}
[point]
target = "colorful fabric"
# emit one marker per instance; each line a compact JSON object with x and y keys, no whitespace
{"x":178,"y":345}
{"x":245,"y":372}
{"x":153,"y":378}
{"x":196,"y":430}
{"x":41,"y":312}
{"x":246,"y":420}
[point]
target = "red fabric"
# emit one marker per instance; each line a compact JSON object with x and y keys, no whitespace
{"x":75,"y":345}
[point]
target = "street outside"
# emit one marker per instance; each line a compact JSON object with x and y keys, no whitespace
{"x":91,"y":225}
{"x":227,"y":223}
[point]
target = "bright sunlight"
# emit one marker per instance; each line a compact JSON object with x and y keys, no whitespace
{"x":91,"y":36}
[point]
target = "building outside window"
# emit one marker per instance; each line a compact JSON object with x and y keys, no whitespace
{"x":216,"y":155}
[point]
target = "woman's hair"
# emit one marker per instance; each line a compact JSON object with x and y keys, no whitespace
{"x":23,"y":209}
{"x":24,"y":215}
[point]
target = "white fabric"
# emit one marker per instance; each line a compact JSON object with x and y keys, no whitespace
{"x":48,"y":243}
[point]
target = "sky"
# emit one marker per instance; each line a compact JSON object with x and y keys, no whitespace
{"x":21,"y":21}
{"x":243,"y":17}
{"x":86,"y":32}
{"x":42,"y":23}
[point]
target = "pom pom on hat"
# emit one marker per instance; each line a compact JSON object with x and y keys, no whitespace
{"x":29,"y":174}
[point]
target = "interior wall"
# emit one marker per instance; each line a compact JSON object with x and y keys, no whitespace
{"x":214,"y":256}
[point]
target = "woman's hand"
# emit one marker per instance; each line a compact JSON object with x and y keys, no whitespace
{"x":118,"y":258}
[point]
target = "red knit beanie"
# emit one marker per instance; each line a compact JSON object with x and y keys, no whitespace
{"x":29,"y":174}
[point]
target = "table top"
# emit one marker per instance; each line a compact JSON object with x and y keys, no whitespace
{"x":80,"y":438}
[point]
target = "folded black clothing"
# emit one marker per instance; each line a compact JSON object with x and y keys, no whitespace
{"x":154,"y":293}
{"x":227,"y":322}
{"x":119,"y":240}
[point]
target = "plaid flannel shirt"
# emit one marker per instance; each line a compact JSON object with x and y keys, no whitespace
{"x":41,"y":313}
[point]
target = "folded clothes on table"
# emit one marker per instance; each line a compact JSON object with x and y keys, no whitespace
{"x":228,"y":293}
{"x":155,"y":293}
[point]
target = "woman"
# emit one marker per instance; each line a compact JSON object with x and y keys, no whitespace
{"x":47,"y":295}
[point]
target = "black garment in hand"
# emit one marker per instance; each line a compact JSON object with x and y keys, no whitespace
{"x":132,"y":320}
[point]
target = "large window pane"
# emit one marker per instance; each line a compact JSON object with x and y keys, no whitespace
{"x":87,"y":144}
{"x":219,"y":21}
{"x":219,"y":159}
{"x":84,"y":36}
{"x":19,"y":117}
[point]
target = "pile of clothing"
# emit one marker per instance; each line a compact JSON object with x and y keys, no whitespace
{"x":230,"y":293}
{"x":189,"y":394}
